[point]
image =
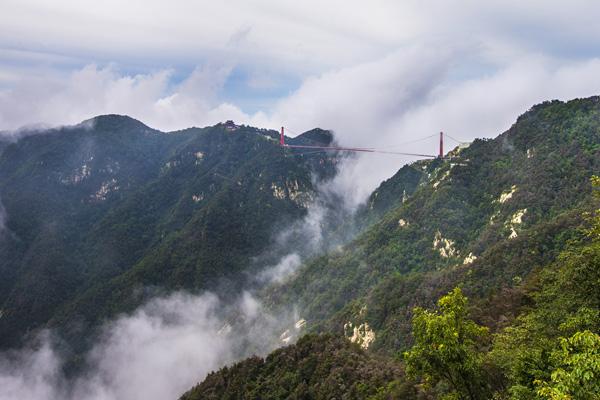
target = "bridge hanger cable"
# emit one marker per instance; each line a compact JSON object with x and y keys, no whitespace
{"x":355,"y":149}
{"x":396,"y":145}
{"x":386,"y":150}
{"x":456,"y":140}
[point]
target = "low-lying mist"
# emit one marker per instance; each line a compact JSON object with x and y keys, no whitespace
{"x":172,"y":342}
{"x":158,"y":352}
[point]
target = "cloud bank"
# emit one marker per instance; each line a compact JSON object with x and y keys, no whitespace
{"x":465,"y":109}
{"x":158,"y":352}
{"x":384,"y":103}
{"x":378,"y":74}
{"x":95,"y":90}
{"x":171,"y":343}
{"x":309,"y":37}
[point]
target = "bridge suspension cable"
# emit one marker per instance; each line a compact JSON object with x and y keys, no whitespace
{"x":388,"y":150}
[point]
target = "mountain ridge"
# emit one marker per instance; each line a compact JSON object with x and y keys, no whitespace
{"x":502,"y":219}
{"x":104,"y":216}
{"x":89,"y":203}
{"x":449,"y":222}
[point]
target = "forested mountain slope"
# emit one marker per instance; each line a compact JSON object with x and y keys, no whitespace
{"x":103,"y":214}
{"x":485,"y":217}
{"x":502,"y":219}
{"x":316,"y":367}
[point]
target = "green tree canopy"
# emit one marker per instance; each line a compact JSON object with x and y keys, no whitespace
{"x":445,"y":349}
{"x":578,"y":373}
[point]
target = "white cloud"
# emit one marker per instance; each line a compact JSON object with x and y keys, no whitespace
{"x":167,"y":335}
{"x":383,"y":103}
{"x":359,"y":62}
{"x":30,"y":374}
{"x":184,"y":31}
{"x":409,"y":95}
{"x":158,"y":352}
{"x":282,"y":270}
{"x":169,"y":344}
{"x":307,"y":36}
{"x":92,"y":91}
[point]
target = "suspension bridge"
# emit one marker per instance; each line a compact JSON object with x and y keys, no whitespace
{"x":318,"y":149}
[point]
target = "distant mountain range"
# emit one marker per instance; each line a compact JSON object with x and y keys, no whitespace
{"x":484,"y":218}
{"x":502,"y":219}
{"x":106,"y":214}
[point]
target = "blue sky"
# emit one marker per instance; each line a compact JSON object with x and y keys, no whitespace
{"x":400,"y":69}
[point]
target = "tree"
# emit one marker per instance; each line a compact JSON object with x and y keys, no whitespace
{"x":445,"y":348}
{"x":578,"y":373}
{"x":552,"y":349}
{"x":594,"y":232}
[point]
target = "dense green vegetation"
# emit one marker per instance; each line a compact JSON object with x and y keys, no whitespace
{"x":550,"y":351}
{"x":553,"y":346}
{"x":316,"y":367}
{"x":104,"y":214}
{"x":478,"y":274}
{"x":390,"y":194}
{"x":512,"y":202}
{"x":511,"y":222}
{"x":445,"y":348}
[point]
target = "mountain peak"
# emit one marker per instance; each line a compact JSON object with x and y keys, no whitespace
{"x":114,"y":121}
{"x":316,"y":136}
